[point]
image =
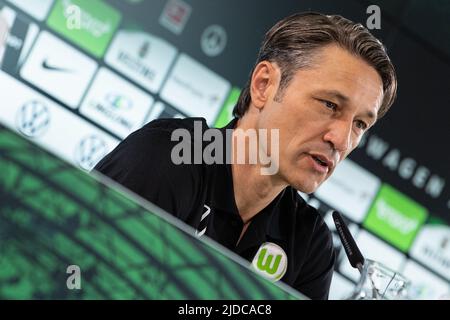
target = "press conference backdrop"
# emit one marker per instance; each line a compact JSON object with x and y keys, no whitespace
{"x":78,"y":76}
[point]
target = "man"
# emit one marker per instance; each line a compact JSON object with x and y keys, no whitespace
{"x":319,"y":83}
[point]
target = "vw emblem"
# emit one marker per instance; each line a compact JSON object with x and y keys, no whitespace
{"x":33,"y":119}
{"x":213,"y":40}
{"x":90,"y":151}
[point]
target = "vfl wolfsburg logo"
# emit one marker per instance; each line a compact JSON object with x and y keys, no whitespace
{"x":270,"y":261}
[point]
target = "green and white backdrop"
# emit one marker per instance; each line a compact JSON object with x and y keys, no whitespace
{"x":78,"y":76}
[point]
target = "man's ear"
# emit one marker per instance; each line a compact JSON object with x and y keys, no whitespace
{"x":264,"y":83}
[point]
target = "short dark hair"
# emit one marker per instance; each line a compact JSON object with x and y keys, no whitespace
{"x":292,"y":42}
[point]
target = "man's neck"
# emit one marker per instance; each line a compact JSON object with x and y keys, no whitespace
{"x":253,"y":191}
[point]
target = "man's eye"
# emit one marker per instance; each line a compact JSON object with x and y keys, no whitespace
{"x":330,"y":105}
{"x":361,"y":125}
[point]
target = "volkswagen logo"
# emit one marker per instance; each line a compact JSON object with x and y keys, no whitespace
{"x":89,"y":151}
{"x":33,"y":119}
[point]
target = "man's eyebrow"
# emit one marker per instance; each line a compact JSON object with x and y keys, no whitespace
{"x":335,"y":94}
{"x":371,"y":115}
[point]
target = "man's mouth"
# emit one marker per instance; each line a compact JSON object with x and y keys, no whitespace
{"x":319,"y":161}
{"x":322,"y":163}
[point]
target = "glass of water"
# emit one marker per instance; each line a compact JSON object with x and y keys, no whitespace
{"x":378,"y":282}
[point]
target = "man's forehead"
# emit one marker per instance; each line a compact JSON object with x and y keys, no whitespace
{"x":343,"y":76}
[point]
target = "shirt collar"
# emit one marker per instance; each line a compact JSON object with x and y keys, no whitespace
{"x":223,"y":196}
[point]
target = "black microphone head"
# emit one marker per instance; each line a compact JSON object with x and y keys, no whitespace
{"x":354,"y":255}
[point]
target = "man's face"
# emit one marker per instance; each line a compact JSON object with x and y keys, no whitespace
{"x":322,"y":116}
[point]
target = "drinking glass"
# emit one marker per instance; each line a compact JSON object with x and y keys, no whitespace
{"x":379,"y":282}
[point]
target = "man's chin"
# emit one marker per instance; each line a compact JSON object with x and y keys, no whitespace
{"x":303,"y":181}
{"x":307,"y":188}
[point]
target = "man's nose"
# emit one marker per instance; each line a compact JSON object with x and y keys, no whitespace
{"x":339,"y":135}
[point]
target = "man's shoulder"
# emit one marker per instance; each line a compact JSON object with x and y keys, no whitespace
{"x":168,"y":125}
{"x":143,"y":163}
{"x":150,"y":147}
{"x":157,"y":135}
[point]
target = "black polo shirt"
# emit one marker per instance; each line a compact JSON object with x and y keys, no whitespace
{"x":202,"y":195}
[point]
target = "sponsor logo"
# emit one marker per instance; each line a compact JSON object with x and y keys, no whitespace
{"x":33,"y":119}
{"x":142,"y":57}
{"x":408,"y":169}
{"x":351,"y":190}
{"x":213,"y":40}
{"x":89,"y":151}
{"x":395,"y":217}
{"x":136,"y":66}
{"x":52,"y":67}
{"x":58,"y":69}
{"x":95,"y":25}
{"x":432,"y":248}
{"x":203,"y":225}
{"x":175,"y":16}
{"x":116,"y":101}
{"x":194,"y":89}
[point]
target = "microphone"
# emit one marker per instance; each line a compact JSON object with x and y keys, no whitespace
{"x":354,"y":255}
